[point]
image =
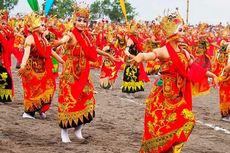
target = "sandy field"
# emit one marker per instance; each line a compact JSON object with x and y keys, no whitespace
{"x":117,"y":127}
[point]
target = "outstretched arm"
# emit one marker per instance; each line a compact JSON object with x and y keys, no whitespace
{"x":103,"y":53}
{"x":27,"y":46}
{"x":61,"y":41}
{"x":146,"y":56}
{"x":57,"y":57}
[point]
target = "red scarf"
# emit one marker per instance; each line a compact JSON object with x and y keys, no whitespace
{"x":88,"y":48}
{"x":5,"y":52}
{"x":196,"y":73}
{"x":44,"y":51}
{"x":90,"y":54}
{"x":178,"y":65}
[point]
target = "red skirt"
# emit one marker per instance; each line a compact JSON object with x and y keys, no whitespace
{"x":167,"y":122}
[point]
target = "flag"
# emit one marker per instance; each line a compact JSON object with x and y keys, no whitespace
{"x":48,"y":6}
{"x":122,"y":3}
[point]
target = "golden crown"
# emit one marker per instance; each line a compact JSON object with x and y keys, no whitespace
{"x":132,"y":27}
{"x":33,"y":20}
{"x":68,"y":25}
{"x":170,"y":24}
{"x":81,"y":11}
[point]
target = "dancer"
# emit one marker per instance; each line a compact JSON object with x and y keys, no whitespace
{"x":36,"y":70}
{"x":134,"y":76}
{"x":76,"y":102}
{"x":168,"y":118}
{"x":201,"y":58}
{"x":109,"y":69}
{"x":6,"y":50}
{"x":224,"y":58}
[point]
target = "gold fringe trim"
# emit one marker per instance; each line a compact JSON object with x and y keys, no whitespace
{"x":6,"y":93}
{"x":35,"y":103}
{"x":155,"y":143}
{"x":68,"y":117}
{"x":133,"y":85}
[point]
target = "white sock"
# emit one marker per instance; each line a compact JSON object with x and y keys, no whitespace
{"x":43,"y":115}
{"x":78,"y":132}
{"x":65,"y":136}
{"x":26,"y":115}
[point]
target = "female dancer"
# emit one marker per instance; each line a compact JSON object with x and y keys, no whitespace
{"x":168,"y":115}
{"x":76,"y":102}
{"x":36,"y":70}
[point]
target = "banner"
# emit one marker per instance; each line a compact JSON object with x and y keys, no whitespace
{"x":48,"y":6}
{"x":122,"y":3}
{"x":34,"y":5}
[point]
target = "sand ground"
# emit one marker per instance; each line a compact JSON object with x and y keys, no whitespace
{"x":117,"y":128}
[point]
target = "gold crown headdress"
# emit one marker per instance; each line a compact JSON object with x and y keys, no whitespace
{"x":33,"y":20}
{"x":225,"y":32}
{"x":132,"y":27}
{"x":110,"y":33}
{"x":171,"y":23}
{"x":81,"y":11}
{"x":68,"y":25}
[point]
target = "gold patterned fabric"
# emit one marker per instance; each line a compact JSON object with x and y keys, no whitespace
{"x":131,"y":82}
{"x":5,"y":85}
{"x":38,"y":84}
{"x":73,"y":111}
{"x":168,"y":116}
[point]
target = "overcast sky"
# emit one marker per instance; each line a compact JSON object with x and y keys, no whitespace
{"x":210,"y":11}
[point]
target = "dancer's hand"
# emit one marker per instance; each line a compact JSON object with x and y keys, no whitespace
{"x":114,"y":59}
{"x":137,"y":59}
{"x":21,"y":71}
{"x":216,"y":81}
{"x":55,"y":43}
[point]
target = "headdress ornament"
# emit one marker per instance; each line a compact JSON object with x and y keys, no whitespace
{"x":34,"y":20}
{"x":80,"y":11}
{"x":170,"y":24}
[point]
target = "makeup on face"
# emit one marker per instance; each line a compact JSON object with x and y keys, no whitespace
{"x":82,"y":19}
{"x":181,"y":29}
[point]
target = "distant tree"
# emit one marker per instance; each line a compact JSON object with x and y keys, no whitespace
{"x":111,"y":9}
{"x":8,"y":4}
{"x":62,"y":8}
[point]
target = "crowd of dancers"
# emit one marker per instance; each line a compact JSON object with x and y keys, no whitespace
{"x":189,"y":60}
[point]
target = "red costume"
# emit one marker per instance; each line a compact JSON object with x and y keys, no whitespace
{"x":6,"y":50}
{"x":76,"y":101}
{"x":168,"y":116}
{"x":38,"y":81}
